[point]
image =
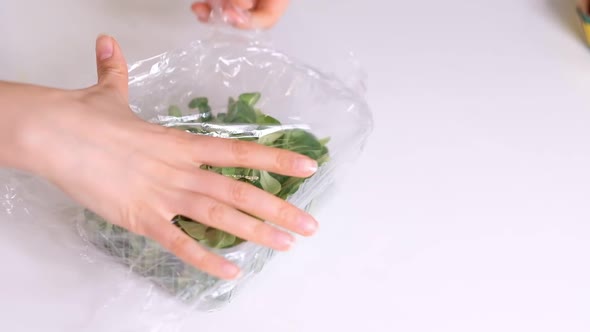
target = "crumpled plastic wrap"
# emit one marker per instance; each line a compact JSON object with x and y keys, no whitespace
{"x":302,"y":99}
{"x":275,"y":99}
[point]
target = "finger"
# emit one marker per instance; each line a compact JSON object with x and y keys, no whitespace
{"x":215,"y":214}
{"x":250,"y":199}
{"x":192,"y":253}
{"x":221,"y":152}
{"x":237,"y":17}
{"x":266,"y":13}
{"x":111,"y":65}
{"x":243,"y":4}
{"x":237,"y":12}
{"x":202,"y":10}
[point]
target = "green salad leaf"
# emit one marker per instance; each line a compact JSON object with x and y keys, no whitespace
{"x":242,"y":110}
{"x":193,"y":229}
{"x":174,"y":111}
{"x":269,"y":183}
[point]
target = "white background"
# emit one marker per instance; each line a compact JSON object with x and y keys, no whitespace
{"x":469,"y":210}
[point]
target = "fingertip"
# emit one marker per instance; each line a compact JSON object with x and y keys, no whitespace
{"x":309,"y":226}
{"x":105,"y":47}
{"x":111,"y":64}
{"x":307,"y":166}
{"x":230,"y":271}
{"x":202,"y":10}
{"x":108,"y":49}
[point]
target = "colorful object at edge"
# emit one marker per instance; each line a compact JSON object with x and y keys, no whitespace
{"x":584,"y":16}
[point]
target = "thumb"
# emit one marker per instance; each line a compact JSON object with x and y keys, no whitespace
{"x":111,"y":65}
{"x":267,"y":13}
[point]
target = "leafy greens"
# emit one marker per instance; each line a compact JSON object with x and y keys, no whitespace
{"x":243,"y":111}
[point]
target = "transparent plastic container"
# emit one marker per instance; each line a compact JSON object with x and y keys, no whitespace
{"x":300,"y":97}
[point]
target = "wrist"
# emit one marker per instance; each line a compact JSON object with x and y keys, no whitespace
{"x":27,"y":113}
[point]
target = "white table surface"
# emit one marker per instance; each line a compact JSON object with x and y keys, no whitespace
{"x":477,"y":216}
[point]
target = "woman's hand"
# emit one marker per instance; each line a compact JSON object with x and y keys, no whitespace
{"x":245,"y":14}
{"x":140,"y":175}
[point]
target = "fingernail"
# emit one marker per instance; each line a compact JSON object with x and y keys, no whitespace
{"x":307,"y":165}
{"x":231,"y":271}
{"x":104,"y":47}
{"x":284,"y":241}
{"x":308,"y":225}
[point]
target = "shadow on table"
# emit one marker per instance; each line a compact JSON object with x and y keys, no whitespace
{"x":565,"y":12}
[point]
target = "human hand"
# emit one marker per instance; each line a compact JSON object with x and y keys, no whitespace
{"x":140,"y":175}
{"x":259,"y":14}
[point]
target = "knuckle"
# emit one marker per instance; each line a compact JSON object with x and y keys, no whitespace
{"x":216,"y":212}
{"x":128,"y":219}
{"x":258,"y":229}
{"x":284,"y":160}
{"x":179,"y":139}
{"x":179,"y":179}
{"x":286,"y":214}
{"x":179,"y":243}
{"x":240,"y":151}
{"x":132,"y":216}
{"x":239,"y":191}
{"x":106,"y":71}
{"x":173,"y":137}
{"x":203,"y":260}
{"x":151,"y":168}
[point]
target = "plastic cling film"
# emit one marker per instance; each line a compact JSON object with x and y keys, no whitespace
{"x":229,"y":87}
{"x":236,"y":90}
{"x":221,"y":8}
